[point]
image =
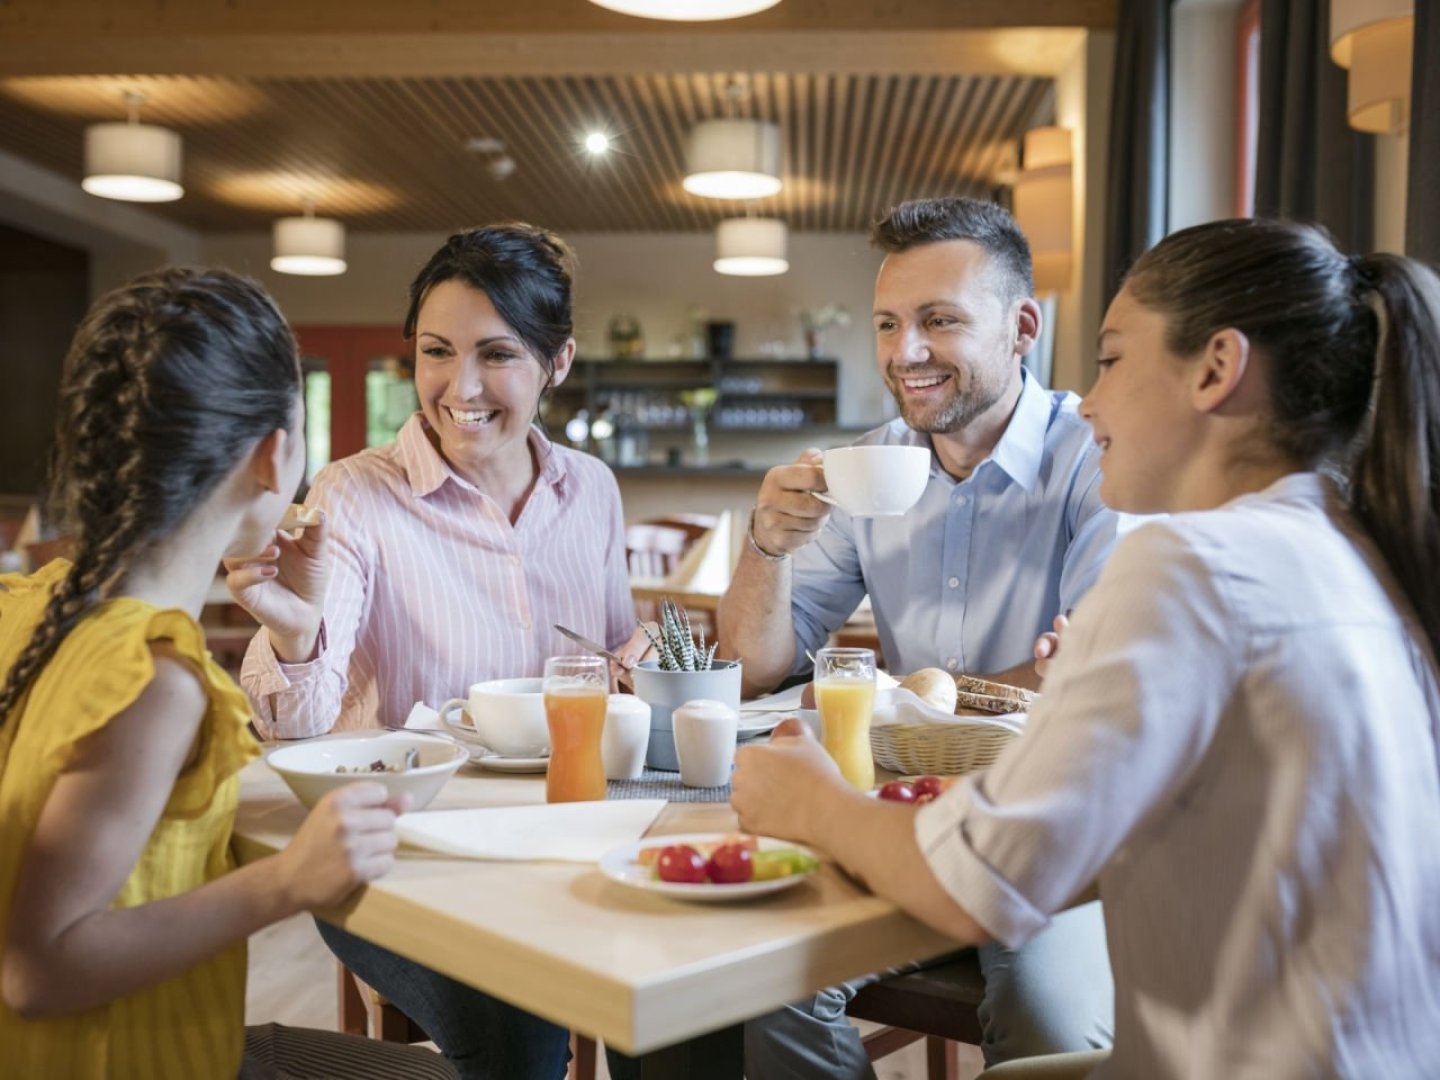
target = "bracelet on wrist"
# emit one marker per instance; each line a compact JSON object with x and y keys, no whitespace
{"x":755,"y":544}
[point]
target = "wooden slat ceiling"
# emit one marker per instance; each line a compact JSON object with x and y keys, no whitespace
{"x":390,"y":153}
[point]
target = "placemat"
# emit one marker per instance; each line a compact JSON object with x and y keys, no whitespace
{"x":661,"y":784}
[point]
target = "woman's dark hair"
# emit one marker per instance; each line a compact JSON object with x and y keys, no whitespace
{"x":526,"y":272}
{"x":929,"y":221}
{"x":1351,"y":348}
{"x":169,"y":382}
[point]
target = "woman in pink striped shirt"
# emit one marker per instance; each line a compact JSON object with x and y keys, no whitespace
{"x":446,"y":558}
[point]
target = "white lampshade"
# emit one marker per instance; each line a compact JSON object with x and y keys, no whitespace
{"x":687,"y":10}
{"x":1045,"y":205}
{"x":133,"y":162}
{"x":309,"y":245}
{"x":733,"y":159}
{"x":1374,"y":40}
{"x":751,"y":247}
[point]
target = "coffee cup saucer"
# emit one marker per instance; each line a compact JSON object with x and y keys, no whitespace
{"x":482,"y":755}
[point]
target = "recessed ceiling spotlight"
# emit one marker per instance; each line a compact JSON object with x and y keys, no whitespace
{"x":597,"y":142}
{"x":501,"y":168}
{"x":484,"y":144}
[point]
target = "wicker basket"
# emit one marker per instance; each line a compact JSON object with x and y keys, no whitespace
{"x":952,"y":749}
{"x":937,"y":749}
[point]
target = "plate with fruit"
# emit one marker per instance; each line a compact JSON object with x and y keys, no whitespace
{"x":710,"y":866}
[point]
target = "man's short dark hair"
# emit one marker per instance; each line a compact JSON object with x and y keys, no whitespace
{"x":918,"y":222}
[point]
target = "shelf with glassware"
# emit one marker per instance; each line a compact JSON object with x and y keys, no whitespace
{"x":613,"y":407}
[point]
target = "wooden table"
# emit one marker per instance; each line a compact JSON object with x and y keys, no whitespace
{"x":639,"y":971}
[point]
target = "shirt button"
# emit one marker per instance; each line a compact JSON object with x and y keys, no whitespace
{"x":951,"y":664}
{"x":514,"y":560}
{"x":954,"y":583}
{"x":961,"y":500}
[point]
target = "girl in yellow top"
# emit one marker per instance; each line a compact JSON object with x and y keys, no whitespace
{"x":122,"y":912}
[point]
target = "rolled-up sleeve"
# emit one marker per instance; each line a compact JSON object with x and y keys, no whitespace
{"x":826,"y":586}
{"x":1143,"y":676}
{"x":296,"y":701}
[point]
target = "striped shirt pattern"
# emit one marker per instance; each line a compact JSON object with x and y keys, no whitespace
{"x":433,"y":588}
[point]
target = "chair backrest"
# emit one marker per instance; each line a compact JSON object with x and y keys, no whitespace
{"x":653,"y":551}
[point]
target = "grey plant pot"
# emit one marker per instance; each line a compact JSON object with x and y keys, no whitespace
{"x":664,"y":690}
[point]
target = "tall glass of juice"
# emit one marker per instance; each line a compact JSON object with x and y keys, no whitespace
{"x":576,"y":693}
{"x":845,"y":696}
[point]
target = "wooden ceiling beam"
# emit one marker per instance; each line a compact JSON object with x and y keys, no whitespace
{"x":1034,"y":51}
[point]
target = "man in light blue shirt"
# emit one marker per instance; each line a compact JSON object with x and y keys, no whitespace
{"x":1008,"y":534}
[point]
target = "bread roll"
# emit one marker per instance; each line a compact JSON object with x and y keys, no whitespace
{"x":932,"y":686}
{"x":299,"y":517}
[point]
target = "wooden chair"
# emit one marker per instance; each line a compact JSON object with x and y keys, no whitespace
{"x":938,"y":1004}
{"x":363,"y":1011}
{"x":653,"y":550}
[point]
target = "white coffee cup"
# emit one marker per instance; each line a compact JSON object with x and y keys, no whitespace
{"x":875,"y":481}
{"x":626,"y":737}
{"x":506,"y":716}
{"x":705,"y":734}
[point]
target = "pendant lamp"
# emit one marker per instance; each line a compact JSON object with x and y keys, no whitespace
{"x":751,"y":247}
{"x":1375,"y":41}
{"x":686,"y":10}
{"x":132,"y":161}
{"x":733,"y":159}
{"x":308,"y":245}
{"x":1045,"y":205}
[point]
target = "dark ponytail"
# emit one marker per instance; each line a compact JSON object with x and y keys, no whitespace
{"x":168,"y":383}
{"x":1351,"y":349}
{"x":1395,"y":489}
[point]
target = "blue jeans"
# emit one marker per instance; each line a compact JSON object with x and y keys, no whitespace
{"x":1053,"y":994}
{"x":481,"y":1036}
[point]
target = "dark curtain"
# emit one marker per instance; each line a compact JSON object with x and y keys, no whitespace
{"x":1136,"y":190}
{"x":1422,"y":211}
{"x":1310,"y":164}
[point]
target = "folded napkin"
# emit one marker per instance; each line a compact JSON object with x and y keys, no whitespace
{"x":423,"y":718}
{"x":903,"y":707}
{"x":558,"y":832}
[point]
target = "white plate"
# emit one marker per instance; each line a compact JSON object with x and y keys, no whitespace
{"x":620,"y":865}
{"x":753,"y":724}
{"x":500,"y":763}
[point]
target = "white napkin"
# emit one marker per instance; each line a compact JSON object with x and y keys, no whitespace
{"x":423,"y":718}
{"x":899,"y":706}
{"x":560,"y":832}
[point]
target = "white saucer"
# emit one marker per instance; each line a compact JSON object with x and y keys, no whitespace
{"x":500,"y":763}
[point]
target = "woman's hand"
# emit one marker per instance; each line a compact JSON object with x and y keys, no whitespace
{"x":779,"y":789}
{"x":283,"y":588}
{"x":638,"y":648}
{"x":346,"y":841}
{"x":1047,"y":646}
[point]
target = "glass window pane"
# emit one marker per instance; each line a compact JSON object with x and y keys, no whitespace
{"x":317,"y":422}
{"x":389,"y":400}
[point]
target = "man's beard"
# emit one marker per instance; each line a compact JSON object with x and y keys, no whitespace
{"x":966,"y":402}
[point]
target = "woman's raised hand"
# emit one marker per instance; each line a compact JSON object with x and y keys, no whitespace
{"x":347,"y":840}
{"x":1047,"y":646}
{"x":283,"y":587}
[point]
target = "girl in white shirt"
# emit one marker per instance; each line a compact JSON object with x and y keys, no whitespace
{"x":1238,"y":743}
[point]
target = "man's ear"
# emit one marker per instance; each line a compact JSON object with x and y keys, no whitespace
{"x":1029,"y":322}
{"x":267,"y":458}
{"x":1220,"y":370}
{"x":563,"y":361}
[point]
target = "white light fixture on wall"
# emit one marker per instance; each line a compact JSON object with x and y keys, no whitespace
{"x":314,"y":247}
{"x":132,"y":161}
{"x":733,"y":159}
{"x":1375,"y":41}
{"x":687,"y":10}
{"x":751,"y":247}
{"x":1045,"y":205}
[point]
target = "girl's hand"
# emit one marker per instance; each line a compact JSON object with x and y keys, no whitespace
{"x":1047,"y":646}
{"x":283,"y":588}
{"x":346,"y":841}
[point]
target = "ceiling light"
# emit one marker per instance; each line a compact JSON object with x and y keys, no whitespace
{"x":597,"y":142}
{"x":132,"y":161}
{"x":751,"y":247}
{"x":314,"y":247}
{"x":1374,"y":41}
{"x":687,"y":10}
{"x":733,"y":159}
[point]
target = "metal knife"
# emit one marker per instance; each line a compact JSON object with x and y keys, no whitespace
{"x":588,"y":645}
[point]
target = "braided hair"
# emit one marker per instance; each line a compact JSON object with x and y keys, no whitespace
{"x":169,"y":382}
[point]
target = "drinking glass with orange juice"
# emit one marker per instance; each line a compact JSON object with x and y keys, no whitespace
{"x":845,"y":696}
{"x":576,"y":690}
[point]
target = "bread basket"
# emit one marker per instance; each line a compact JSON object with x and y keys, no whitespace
{"x":951,"y":749}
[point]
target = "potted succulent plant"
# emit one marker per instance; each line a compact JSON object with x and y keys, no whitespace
{"x":685,"y":669}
